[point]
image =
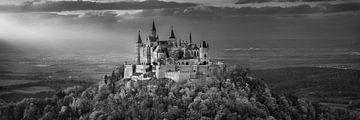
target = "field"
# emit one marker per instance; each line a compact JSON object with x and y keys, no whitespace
{"x":42,"y":76}
{"x":332,"y":76}
{"x":336,"y":87}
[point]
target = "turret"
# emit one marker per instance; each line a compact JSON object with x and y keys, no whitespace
{"x":172,"y":39}
{"x":204,"y":44}
{"x":138,"y":46}
{"x":148,"y":55}
{"x":153,"y":37}
{"x":153,"y":30}
{"x":190,"y":38}
{"x":172,"y":36}
{"x":139,"y":38}
{"x":203,"y":51}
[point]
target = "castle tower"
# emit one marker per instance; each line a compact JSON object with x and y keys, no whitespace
{"x":190,"y":39}
{"x":172,"y":39}
{"x":148,"y":54}
{"x":153,"y":30}
{"x":203,"y":51}
{"x":172,"y":35}
{"x":151,"y":43}
{"x":138,"y":46}
{"x":153,"y":37}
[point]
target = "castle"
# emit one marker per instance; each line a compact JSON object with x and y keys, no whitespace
{"x":169,"y":58}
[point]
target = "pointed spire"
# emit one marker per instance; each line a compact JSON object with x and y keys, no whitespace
{"x":190,"y":38}
{"x":139,"y":38}
{"x":204,"y":44}
{"x":172,"y":32}
{"x":153,"y":26}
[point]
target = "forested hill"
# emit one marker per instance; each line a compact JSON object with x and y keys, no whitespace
{"x":227,"y":94}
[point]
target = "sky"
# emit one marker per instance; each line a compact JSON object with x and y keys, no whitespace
{"x":224,"y":23}
{"x":224,"y":3}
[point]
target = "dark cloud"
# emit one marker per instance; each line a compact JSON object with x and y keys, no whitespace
{"x":251,"y":1}
{"x":207,"y":11}
{"x":262,"y":1}
{"x":157,"y":8}
{"x":340,"y":7}
{"x":86,"y":5}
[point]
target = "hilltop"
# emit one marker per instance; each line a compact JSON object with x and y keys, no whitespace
{"x":226,"y":94}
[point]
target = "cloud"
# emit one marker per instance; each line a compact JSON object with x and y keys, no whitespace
{"x":209,"y":11}
{"x":53,"y":6}
{"x":108,"y":15}
{"x":63,"y":33}
{"x":263,"y":1}
{"x":327,"y":8}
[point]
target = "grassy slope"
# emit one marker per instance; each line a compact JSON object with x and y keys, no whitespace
{"x":325,"y":84}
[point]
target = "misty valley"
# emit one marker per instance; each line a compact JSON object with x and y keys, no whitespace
{"x":41,"y":76}
{"x":179,"y":59}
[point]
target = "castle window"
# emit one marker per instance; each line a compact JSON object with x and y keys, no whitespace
{"x":187,"y":63}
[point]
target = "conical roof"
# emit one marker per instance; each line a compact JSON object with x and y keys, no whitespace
{"x":153,"y":26}
{"x":172,"y":36}
{"x":139,"y":38}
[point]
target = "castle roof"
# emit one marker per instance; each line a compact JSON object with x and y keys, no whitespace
{"x":153,"y":26}
{"x":172,"y":36}
{"x":204,"y":45}
{"x":139,"y":38}
{"x":196,"y":47}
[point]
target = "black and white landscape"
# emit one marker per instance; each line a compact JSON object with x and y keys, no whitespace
{"x":287,"y":59}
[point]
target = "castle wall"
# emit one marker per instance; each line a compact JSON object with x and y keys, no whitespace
{"x":161,"y":58}
{"x":204,"y":69}
{"x":143,"y":55}
{"x":203,"y":54}
{"x":184,"y":72}
{"x":128,"y":72}
{"x":141,"y":68}
{"x":154,"y":57}
{"x":169,"y":67}
{"x":186,"y":68}
{"x":159,"y":71}
{"x":187,"y":62}
{"x":179,"y":76}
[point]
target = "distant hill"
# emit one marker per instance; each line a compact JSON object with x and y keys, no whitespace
{"x":320,"y":84}
{"x":226,"y":94}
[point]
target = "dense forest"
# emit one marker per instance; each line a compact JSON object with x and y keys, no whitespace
{"x":226,"y":94}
